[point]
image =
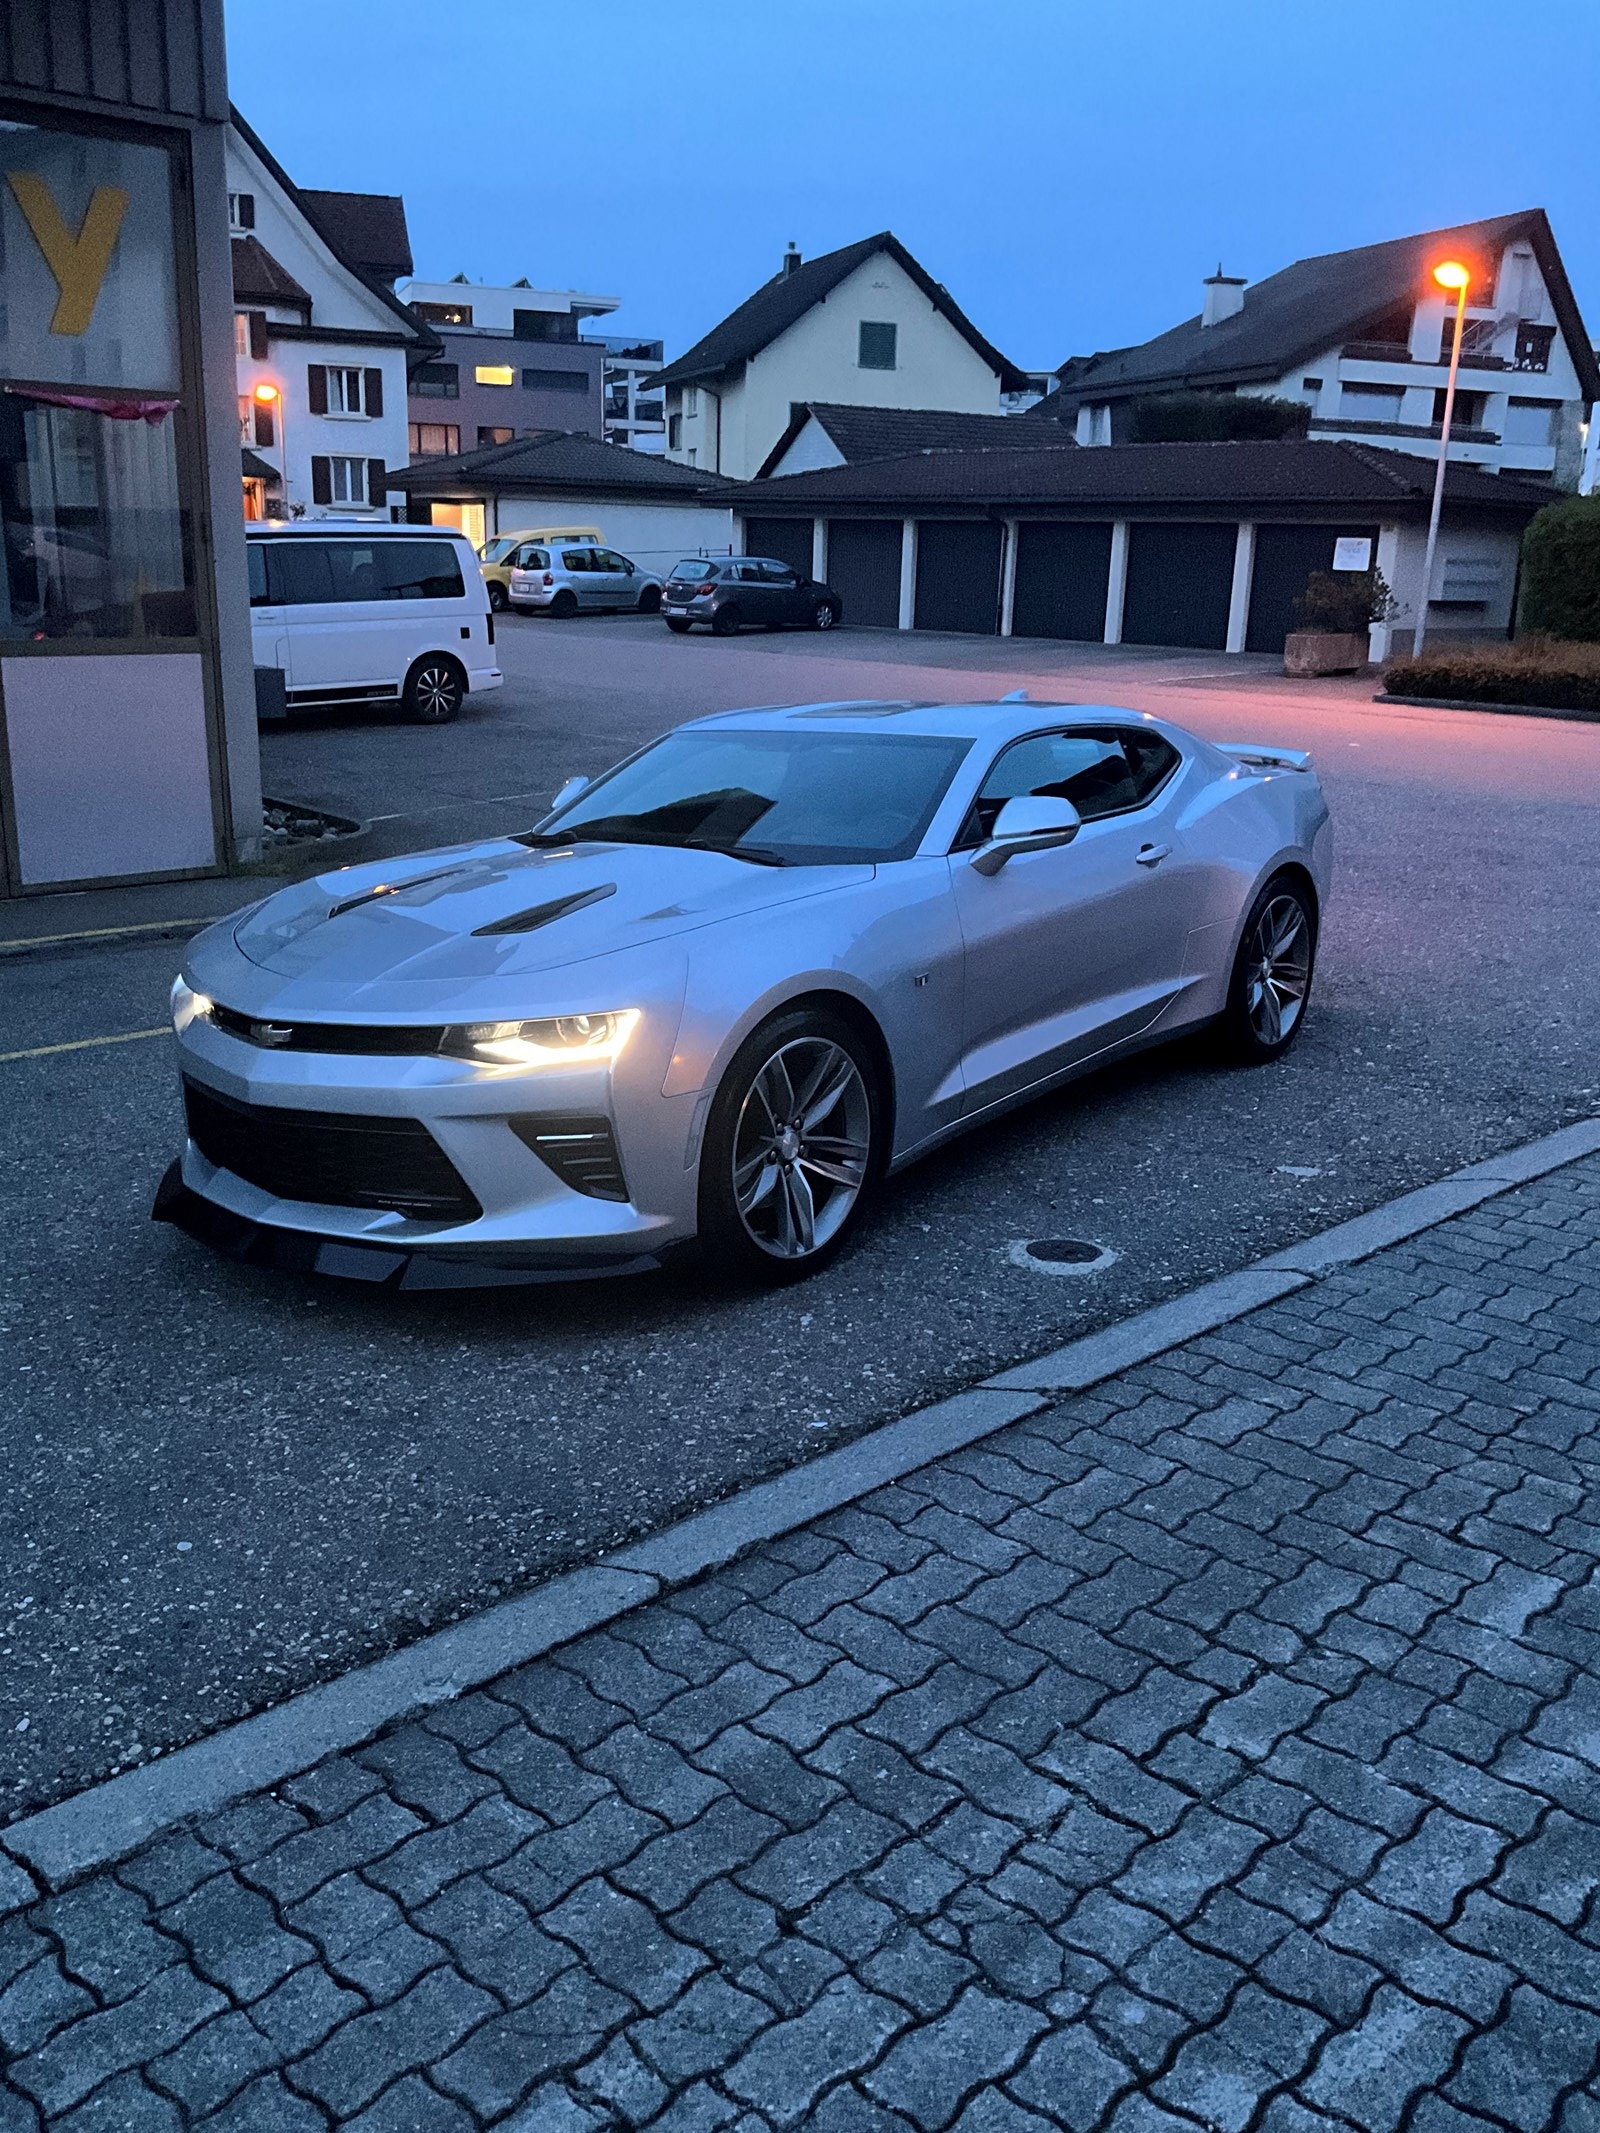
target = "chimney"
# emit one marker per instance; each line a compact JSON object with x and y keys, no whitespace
{"x":791,"y":258}
{"x":1224,"y":297}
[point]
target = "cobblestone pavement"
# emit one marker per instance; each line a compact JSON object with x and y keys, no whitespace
{"x":1219,"y":1746}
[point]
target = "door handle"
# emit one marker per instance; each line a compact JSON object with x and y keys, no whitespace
{"x":1151,"y":855}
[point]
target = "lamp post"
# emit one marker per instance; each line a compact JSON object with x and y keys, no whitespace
{"x":1449,"y":274}
{"x":269,"y":396}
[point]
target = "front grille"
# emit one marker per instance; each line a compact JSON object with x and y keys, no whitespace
{"x":366,"y":1038}
{"x":330,"y":1157}
{"x":581,"y":1151}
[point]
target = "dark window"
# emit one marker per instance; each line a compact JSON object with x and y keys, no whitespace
{"x":433,"y":439}
{"x":1102,"y":771}
{"x":693,"y":568}
{"x":437,"y":381}
{"x":1467,"y":413}
{"x":256,"y":562}
{"x":877,"y":345}
{"x":299,"y":573}
{"x":544,"y":326}
{"x":528,"y":557}
{"x":579,"y":559}
{"x":315,"y":573}
{"x":674,"y":432}
{"x":445,"y":314}
{"x":1151,"y":759}
{"x":555,"y":381}
{"x":748,"y":573}
{"x":495,"y":436}
{"x":775,"y":573}
{"x":417,"y":570}
{"x":1311,"y":385}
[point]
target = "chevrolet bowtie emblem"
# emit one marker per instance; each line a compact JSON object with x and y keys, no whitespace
{"x":273,"y":1033}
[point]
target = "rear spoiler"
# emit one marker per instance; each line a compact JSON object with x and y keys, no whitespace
{"x":1260,"y":758}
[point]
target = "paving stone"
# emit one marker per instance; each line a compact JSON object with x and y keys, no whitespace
{"x":702,"y":2030}
{"x":504,"y":2060}
{"x":978,"y":1842}
{"x":214,"y":2063}
{"x":699,"y":1715}
{"x":555,"y":2110}
{"x":912,"y":1718}
{"x":300,"y":2012}
{"x":485,"y":1835}
{"x":172,"y":1867}
{"x":1518,"y":2070}
{"x":731,"y":1926}
{"x":1114,"y":1782}
{"x":107,"y":1937}
{"x":1000,"y":1782}
{"x":669,"y":1869}
{"x":795,"y":1870}
{"x":1429,"y":1872}
{"x":412,"y":2107}
{"x":38,"y":2003}
{"x":371,"y":2050}
{"x":330,"y":1788}
{"x":303,"y":1861}
{"x":364,"y":1937}
{"x":1370,"y":2073}
{"x":266,"y":2106}
{"x":1304,"y":1967}
{"x":927,"y":2074}
{"x":126,"y":2105}
{"x":560,"y":1705}
{"x":849,"y":1922}
{"x":916,"y":1970}
{"x":618,"y":1672}
{"x":622,"y":1944}
{"x":1415,"y":1956}
{"x":791,"y":1974}
{"x":1194,"y":1980}
{"x":784,"y":2070}
{"x":769,"y":1777}
{"x":424,"y":1772}
{"x":1557,"y":1872}
{"x":1072,"y":2079}
{"x":76,"y":2059}
{"x":652,"y":1775}
{"x":1139,"y":2030}
{"x":621,"y":2080}
{"x":550,"y":1865}
{"x":1175,"y":1874}
{"x":540,"y":1774}
{"x":1253,"y":1723}
{"x":878,"y":1776}
{"x":492,"y":1941}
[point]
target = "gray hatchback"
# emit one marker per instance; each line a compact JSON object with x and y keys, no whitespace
{"x":557,"y":580}
{"x":727,"y":592}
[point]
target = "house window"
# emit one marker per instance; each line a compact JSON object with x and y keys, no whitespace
{"x":344,"y":392}
{"x":347,"y":481}
{"x":1467,"y":413}
{"x":241,"y":333}
{"x":1371,"y":403}
{"x":675,"y":432}
{"x":241,"y":211}
{"x":445,"y":314}
{"x":691,"y":401}
{"x":693,"y":455}
{"x":428,"y":440}
{"x":876,"y":349}
{"x":247,"y":419}
{"x":495,"y":436}
{"x":555,"y":381}
{"x":1530,"y":421}
{"x":437,"y":381}
{"x":495,"y":374}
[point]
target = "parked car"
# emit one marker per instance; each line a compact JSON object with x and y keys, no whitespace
{"x":551,"y":580}
{"x":370,"y":613}
{"x":495,"y":556}
{"x":716,"y":994}
{"x":727,"y":592}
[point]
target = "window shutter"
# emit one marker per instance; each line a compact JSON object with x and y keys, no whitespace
{"x":263,"y":424}
{"x":258,"y":335}
{"x":372,"y":392}
{"x":317,"y":388}
{"x":321,"y":479}
{"x":377,"y":481}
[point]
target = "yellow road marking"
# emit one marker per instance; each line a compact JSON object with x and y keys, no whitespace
{"x":85,"y":1044}
{"x":101,"y":933}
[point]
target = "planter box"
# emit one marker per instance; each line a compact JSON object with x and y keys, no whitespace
{"x":1324,"y":651}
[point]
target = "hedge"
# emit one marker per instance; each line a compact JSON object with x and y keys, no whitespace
{"x":1214,"y":418}
{"x":1561,"y":571}
{"x":1539,"y":671}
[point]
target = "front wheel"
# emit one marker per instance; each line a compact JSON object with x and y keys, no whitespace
{"x":650,"y":600}
{"x":499,"y":598}
{"x":1272,"y":972}
{"x":824,"y":615}
{"x":434,"y":689}
{"x":792,"y":1148}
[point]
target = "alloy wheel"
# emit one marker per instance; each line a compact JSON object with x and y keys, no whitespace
{"x":436,"y":692}
{"x":1278,"y":971}
{"x":802,"y":1148}
{"x":823,"y":617}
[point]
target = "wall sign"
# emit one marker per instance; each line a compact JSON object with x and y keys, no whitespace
{"x":1352,"y":552}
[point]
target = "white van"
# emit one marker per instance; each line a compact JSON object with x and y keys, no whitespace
{"x":371,"y":613}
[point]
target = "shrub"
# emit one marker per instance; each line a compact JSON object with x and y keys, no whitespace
{"x":1345,"y":600}
{"x":1214,"y":418}
{"x":1540,"y":671}
{"x":1561,"y":571}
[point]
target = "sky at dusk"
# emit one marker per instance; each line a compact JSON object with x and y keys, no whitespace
{"x":1069,"y":171}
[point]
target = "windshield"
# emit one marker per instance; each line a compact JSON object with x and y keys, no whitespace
{"x":497,"y":550}
{"x":779,"y":798}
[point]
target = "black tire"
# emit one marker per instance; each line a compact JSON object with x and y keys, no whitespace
{"x":747,"y":1243}
{"x":824,"y":615}
{"x":677,"y":625}
{"x":650,"y":600}
{"x":434,"y":689}
{"x":499,"y":598}
{"x":565,"y":604}
{"x":1270,"y":987}
{"x":725,"y":622}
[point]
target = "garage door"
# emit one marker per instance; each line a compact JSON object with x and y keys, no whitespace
{"x":1062,"y":571}
{"x":958,"y":576}
{"x":1285,"y":557}
{"x":787,"y":540}
{"x":864,"y":569}
{"x":1180,"y":579}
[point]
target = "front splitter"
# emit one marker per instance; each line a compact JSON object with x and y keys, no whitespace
{"x":298,"y":1251}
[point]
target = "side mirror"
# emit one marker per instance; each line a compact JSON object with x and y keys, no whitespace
{"x":1027,"y":825}
{"x":570,"y":791}
{"x":628,"y":567}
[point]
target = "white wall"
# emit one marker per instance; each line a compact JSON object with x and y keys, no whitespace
{"x":339,"y":299}
{"x":816,"y":359}
{"x":1467,"y":558}
{"x":813,"y":448}
{"x":654,"y":535}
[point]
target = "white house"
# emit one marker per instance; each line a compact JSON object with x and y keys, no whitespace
{"x":865,"y":325}
{"x":1363,"y":338}
{"x":320,"y":339}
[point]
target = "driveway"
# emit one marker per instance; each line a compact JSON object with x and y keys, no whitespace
{"x":224,"y":1485}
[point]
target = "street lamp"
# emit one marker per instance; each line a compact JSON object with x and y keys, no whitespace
{"x":269,"y":396}
{"x":1450,"y":274}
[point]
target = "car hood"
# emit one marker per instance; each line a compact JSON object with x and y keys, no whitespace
{"x":502,"y":910}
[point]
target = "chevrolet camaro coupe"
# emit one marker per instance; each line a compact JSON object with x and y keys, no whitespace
{"x":720,"y":991}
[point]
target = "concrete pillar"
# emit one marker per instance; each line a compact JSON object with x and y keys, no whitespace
{"x":738,"y":546}
{"x":1117,"y":581}
{"x":908,"y":574}
{"x":1380,"y":635}
{"x":1008,"y":576}
{"x":1244,"y":563}
{"x":819,"y":550}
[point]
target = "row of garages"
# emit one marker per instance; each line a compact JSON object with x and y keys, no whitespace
{"x":1215,"y":585}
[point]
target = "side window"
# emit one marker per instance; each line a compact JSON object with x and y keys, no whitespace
{"x":607,"y":559}
{"x":256,"y":557}
{"x":302,"y":573}
{"x":776,"y":573}
{"x":356,"y":572}
{"x":576,"y":558}
{"x":419,"y":570}
{"x":1151,"y":760}
{"x":1089,"y":768}
{"x":749,"y":574}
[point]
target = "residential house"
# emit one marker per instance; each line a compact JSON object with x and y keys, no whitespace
{"x":321,"y":341}
{"x":633,"y":411}
{"x":824,"y":435}
{"x":1363,"y":339}
{"x":867,"y":325}
{"x":1204,"y":545}
{"x":511,"y":363}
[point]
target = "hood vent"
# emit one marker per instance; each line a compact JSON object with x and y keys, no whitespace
{"x":543,"y":914}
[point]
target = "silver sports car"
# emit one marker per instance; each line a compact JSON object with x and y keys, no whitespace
{"x":718,"y":992}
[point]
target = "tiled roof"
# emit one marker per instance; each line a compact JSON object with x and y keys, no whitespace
{"x":778,"y":303}
{"x":258,"y":278}
{"x":367,"y":229}
{"x":556,"y":459}
{"x":863,"y":433}
{"x":1226,"y":477}
{"x":1317,"y":303}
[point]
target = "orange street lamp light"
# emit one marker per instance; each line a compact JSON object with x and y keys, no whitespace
{"x":1450,"y":274}
{"x":266,"y":395}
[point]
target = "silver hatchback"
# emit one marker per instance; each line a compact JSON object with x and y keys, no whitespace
{"x":559,"y":581}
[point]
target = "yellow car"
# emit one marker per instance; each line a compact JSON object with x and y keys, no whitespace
{"x":495,"y":556}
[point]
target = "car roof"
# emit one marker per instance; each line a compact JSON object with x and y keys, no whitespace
{"x":307,"y":528}
{"x":1004,"y":720}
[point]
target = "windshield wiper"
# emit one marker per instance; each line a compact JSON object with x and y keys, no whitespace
{"x":759,"y":855}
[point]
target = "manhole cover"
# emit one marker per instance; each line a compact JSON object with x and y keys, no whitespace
{"x":1060,"y":1255}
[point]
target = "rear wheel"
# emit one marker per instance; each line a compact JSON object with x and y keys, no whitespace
{"x":792,"y":1148}
{"x":677,"y":625}
{"x":650,"y":600}
{"x":725,"y":622}
{"x":565,"y":604}
{"x":1272,"y":971}
{"x":823,"y":616}
{"x":434,"y":689}
{"x":499,"y":598}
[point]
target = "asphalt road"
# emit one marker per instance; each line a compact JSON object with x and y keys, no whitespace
{"x":224,"y":1485}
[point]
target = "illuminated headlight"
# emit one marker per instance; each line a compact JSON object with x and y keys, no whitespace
{"x":187,"y":1005}
{"x":560,"y":1040}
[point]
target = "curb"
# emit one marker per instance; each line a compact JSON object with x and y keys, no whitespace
{"x":1471,"y":703}
{"x":109,"y":1820}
